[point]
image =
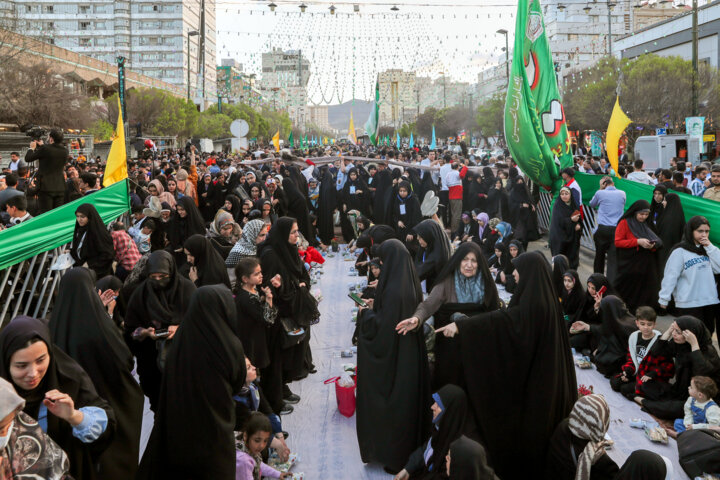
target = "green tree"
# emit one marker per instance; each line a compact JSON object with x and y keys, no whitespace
{"x":489,"y":116}
{"x":211,"y":124}
{"x":101,"y":130}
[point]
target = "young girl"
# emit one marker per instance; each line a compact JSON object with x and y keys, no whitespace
{"x":406,"y":212}
{"x":250,"y":444}
{"x":572,"y":297}
{"x":255,"y":310}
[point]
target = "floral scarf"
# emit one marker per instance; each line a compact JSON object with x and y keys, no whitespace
{"x":240,"y":445}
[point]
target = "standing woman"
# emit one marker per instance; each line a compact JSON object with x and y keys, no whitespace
{"x":297,"y":207}
{"x":565,"y":228}
{"x":497,"y":201}
{"x":279,"y":258}
{"x":327,"y":203}
{"x":92,"y":243}
{"x":435,"y":251}
{"x":185,"y":223}
{"x":159,"y":302}
{"x":58,"y":394}
{"x":529,"y":341}
{"x":521,"y":203}
{"x":464,"y":286}
{"x":669,"y":227}
{"x":355,"y":194}
{"x":205,"y":197}
{"x":254,"y":233}
{"x":205,"y":265}
{"x":81,"y":327}
{"x":638,"y":277}
{"x":406,"y":212}
{"x":393,"y":394}
{"x":689,"y":275}
{"x":193,"y":432}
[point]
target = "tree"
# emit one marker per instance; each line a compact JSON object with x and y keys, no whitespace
{"x":489,"y":116}
{"x":213,"y":125}
{"x":101,"y":130}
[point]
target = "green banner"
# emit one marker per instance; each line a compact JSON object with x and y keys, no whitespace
{"x":535,"y":128}
{"x":634,"y":191}
{"x":55,"y":228}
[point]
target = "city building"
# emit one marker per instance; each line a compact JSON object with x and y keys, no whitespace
{"x":318,"y":116}
{"x":398,"y":97}
{"x":285,"y":76}
{"x":673,"y":37}
{"x":441,"y":93}
{"x":156,"y":37}
{"x":492,"y":81}
{"x":236,"y":86}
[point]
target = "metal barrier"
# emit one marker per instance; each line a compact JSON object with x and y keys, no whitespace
{"x":589,"y":222}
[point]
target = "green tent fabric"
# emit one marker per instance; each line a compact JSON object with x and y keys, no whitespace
{"x":639,"y":191}
{"x":55,"y":228}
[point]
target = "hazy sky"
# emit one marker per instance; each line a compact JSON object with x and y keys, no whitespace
{"x":348,"y":49}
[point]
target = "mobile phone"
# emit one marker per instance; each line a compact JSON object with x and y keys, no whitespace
{"x":359,"y":301}
{"x":602,"y":290}
{"x":162,"y":333}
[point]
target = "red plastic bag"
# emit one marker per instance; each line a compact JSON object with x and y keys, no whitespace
{"x":345,"y":396}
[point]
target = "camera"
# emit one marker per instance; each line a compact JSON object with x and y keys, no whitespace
{"x":34,"y":132}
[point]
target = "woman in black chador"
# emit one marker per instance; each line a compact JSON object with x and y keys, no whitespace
{"x":393,"y":394}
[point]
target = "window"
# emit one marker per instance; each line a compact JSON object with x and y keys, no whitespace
{"x":84,"y":8}
{"x":28,"y":8}
{"x":85,"y":42}
{"x":49,"y":9}
{"x":49,"y":25}
{"x":84,"y":25}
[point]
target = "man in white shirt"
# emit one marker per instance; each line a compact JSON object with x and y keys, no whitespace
{"x":444,"y":189}
{"x":431,"y":161}
{"x":638,"y":175}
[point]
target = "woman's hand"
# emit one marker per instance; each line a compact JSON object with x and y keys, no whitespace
{"x":373,"y":284}
{"x":575,"y":218}
{"x":402,"y":475}
{"x":62,"y":406}
{"x":193,"y":274}
{"x":449,"y":330}
{"x":691,"y":339}
{"x":668,"y":333}
{"x":580,"y":326}
{"x":502,"y":277}
{"x":409,"y":238}
{"x":171,"y":331}
{"x":283,"y":451}
{"x":401,"y":224}
{"x":370,"y":302}
{"x":577,"y":227}
{"x":302,"y":284}
{"x":107,"y":297}
{"x":644,"y":243}
{"x":276,"y":281}
{"x":407,"y":325}
{"x":598,"y":298}
{"x":645,"y":379}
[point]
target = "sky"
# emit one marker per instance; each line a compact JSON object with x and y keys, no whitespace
{"x":348,"y":49}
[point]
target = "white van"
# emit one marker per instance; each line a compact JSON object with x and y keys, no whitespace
{"x":657,"y":150}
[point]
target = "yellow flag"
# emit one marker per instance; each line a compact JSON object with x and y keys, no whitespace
{"x":618,"y":123}
{"x":351,"y":131}
{"x":276,"y":141}
{"x":116,"y":167}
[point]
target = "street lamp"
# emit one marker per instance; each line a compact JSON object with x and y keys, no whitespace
{"x":303,"y":7}
{"x":272,"y":6}
{"x":332,"y":9}
{"x":502,"y":31}
{"x":610,"y":5}
{"x":444,"y":90}
{"x":191,"y":33}
{"x":695,"y":58}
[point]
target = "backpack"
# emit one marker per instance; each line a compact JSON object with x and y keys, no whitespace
{"x":699,"y":452}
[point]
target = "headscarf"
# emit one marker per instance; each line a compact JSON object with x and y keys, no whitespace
{"x":504,"y":229}
{"x":94,"y":236}
{"x":159,"y":305}
{"x":657,"y":209}
{"x":688,"y":241}
{"x":573,"y":301}
{"x":277,"y":239}
{"x":616,"y":320}
{"x":560,"y":265}
{"x":641,"y":229}
{"x":236,"y":206}
{"x":599,"y":280}
{"x":504,"y":261}
{"x":375,"y":235}
{"x":10,"y":401}
{"x":481,"y":283}
{"x":682,"y":351}
{"x":482,"y":217}
{"x":518,"y":245}
{"x":438,"y":244}
{"x":589,"y":420}
{"x":182,"y":228}
{"x":246,"y":246}
{"x":468,"y":461}
{"x":453,"y":421}
{"x":645,"y":465}
{"x":210,"y":266}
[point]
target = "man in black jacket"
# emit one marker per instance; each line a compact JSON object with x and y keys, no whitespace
{"x":49,"y":177}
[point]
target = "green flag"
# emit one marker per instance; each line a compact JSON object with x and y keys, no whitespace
{"x":373,"y":122}
{"x":305,"y":141}
{"x":535,"y":128}
{"x":291,"y":140}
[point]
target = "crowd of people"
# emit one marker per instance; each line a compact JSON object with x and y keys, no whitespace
{"x":207,"y":291}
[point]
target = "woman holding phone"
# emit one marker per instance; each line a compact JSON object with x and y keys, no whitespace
{"x":637,"y":247}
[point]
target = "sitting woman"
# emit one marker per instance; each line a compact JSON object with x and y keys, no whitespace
{"x":598,"y":287}
{"x":58,"y":394}
{"x":467,"y":460}
{"x":690,"y":344}
{"x":560,"y":265}
{"x":92,"y":243}
{"x":465,"y":287}
{"x":501,"y":266}
{"x":611,"y":336}
{"x":515,"y":248}
{"x":451,"y":420}
{"x":572,"y":297}
{"x":45,"y":460}
{"x":466,"y":230}
{"x":577,"y":448}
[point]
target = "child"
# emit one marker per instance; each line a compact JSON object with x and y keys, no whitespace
{"x":373,"y":277}
{"x":701,"y":412}
{"x":142,"y":240}
{"x":642,"y":364}
{"x":250,"y":444}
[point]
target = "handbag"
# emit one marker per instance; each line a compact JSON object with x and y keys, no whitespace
{"x":293,"y":333}
{"x":699,"y":452}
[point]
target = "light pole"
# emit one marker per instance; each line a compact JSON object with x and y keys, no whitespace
{"x":610,"y":6}
{"x":502,"y":31}
{"x":695,"y":59}
{"x":444,"y":90}
{"x":191,"y":33}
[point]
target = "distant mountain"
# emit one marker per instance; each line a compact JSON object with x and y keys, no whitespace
{"x":339,"y":115}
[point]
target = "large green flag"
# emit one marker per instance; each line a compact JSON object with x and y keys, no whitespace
{"x":372,"y":126}
{"x":291,"y":140}
{"x":535,"y":128}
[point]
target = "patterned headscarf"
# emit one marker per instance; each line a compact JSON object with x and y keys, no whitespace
{"x":589,"y":420}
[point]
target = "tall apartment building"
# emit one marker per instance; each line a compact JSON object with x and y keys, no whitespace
{"x":398,"y":97}
{"x":151,"y":34}
{"x":285,"y":76}
{"x":318,"y":116}
{"x":236,"y":86}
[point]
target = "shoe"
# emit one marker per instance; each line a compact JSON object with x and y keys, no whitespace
{"x":313,"y":369}
{"x":287,"y":410}
{"x":285,"y":434}
{"x":292,"y":399}
{"x":391,"y":471}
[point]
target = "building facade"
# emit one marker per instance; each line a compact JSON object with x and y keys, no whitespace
{"x":318,"y":116}
{"x":285,"y":76}
{"x":398,"y":97}
{"x":236,"y":86}
{"x":151,"y":35}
